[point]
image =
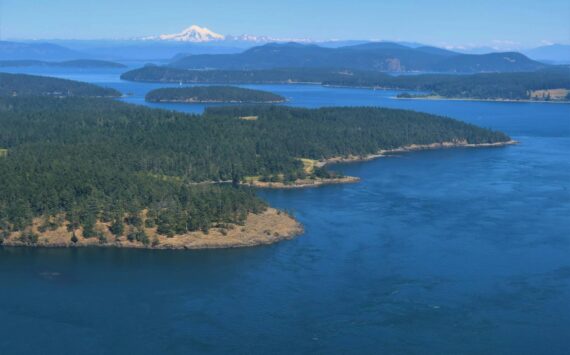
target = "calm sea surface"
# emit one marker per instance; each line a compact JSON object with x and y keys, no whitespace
{"x":463,"y":251}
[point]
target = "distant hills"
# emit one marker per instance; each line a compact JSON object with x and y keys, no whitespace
{"x":378,"y":56}
{"x":254,"y":52}
{"x":22,"y":85}
{"x":35,"y":51}
{"x":79,"y":63}
{"x":554,"y":53}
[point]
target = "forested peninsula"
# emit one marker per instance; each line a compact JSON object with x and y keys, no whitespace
{"x":94,"y":171}
{"x":551,"y":84}
{"x":213,"y":94}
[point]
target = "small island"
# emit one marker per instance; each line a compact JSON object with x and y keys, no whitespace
{"x":213,"y":94}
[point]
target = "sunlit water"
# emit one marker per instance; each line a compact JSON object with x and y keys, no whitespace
{"x":463,"y":251}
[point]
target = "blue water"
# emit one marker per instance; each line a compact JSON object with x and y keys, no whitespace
{"x":463,"y":251}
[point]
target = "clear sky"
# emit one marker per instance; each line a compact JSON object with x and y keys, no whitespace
{"x":473,"y":22}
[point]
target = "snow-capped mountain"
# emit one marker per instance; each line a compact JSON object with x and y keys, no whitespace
{"x":191,"y":34}
{"x":197,"y":34}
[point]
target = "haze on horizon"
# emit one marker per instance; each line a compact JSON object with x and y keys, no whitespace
{"x":508,"y":24}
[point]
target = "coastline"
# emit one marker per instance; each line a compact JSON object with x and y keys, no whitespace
{"x":443,"y":98}
{"x":214,"y":102}
{"x":411,"y":148}
{"x":303,"y":183}
{"x":266,"y":228}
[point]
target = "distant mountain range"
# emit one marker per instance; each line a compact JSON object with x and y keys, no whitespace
{"x":379,"y":56}
{"x":35,"y":51}
{"x":79,"y":63}
{"x":554,"y":53}
{"x":199,"y":40}
{"x":197,"y":34}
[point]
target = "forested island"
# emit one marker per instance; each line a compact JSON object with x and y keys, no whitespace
{"x":79,"y":63}
{"x":377,"y":56}
{"x":97,"y":172}
{"x":18,"y":85}
{"x":551,"y":84}
{"x":213,"y":94}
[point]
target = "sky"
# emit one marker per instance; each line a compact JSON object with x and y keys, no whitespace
{"x":499,"y":23}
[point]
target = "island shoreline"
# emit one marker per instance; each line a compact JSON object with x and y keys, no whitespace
{"x":266,"y":228}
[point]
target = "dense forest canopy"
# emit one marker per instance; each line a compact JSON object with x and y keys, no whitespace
{"x":98,"y":159}
{"x":213,"y":94}
{"x":481,"y":86}
{"x":32,"y":85}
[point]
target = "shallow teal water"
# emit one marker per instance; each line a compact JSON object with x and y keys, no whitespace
{"x":463,"y":251}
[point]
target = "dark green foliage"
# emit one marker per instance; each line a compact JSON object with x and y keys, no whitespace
{"x":139,"y":236}
{"x":117,"y":227}
{"x":212,"y":94}
{"x":74,"y":238}
{"x":28,"y":238}
{"x":31,"y":85}
{"x":97,"y":159}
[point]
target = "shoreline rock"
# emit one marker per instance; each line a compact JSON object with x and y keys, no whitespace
{"x":305,"y":183}
{"x":265,"y":228}
{"x":411,"y":148}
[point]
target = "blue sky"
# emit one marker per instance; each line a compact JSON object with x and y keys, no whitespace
{"x":474,"y":22}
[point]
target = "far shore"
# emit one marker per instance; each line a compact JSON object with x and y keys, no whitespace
{"x":443,"y":98}
{"x":411,"y":148}
{"x":215,"y":102}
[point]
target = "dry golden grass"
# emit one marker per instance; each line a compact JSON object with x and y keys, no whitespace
{"x":249,"y":118}
{"x":3,"y":152}
{"x":259,"y":229}
{"x":309,"y":165}
{"x":554,"y":94}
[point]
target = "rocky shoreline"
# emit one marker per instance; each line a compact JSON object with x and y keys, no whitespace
{"x":304,"y":183}
{"x":411,"y":148}
{"x":265,"y":228}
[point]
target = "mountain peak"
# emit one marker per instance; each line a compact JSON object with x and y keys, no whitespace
{"x":193,"y":33}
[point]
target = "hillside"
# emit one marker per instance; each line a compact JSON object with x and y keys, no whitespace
{"x":381,"y":56}
{"x":218,"y":94}
{"x":79,"y":63}
{"x":17,"y":85}
{"x":36,"y":51}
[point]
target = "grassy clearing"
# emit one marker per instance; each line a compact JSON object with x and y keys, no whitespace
{"x":552,"y":94}
{"x":249,"y":118}
{"x":3,"y":152}
{"x":309,"y":165}
{"x":251,"y":179}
